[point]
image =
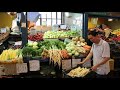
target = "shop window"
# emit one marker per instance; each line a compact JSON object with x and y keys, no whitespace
{"x":50,"y":18}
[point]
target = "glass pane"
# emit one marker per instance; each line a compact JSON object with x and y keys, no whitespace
{"x":48,"y":22}
{"x":58,"y":21}
{"x":43,"y":14}
{"x":59,"y":15}
{"x":38,"y":22}
{"x":43,"y":21}
{"x":53,"y":22}
{"x":48,"y":14}
{"x":53,"y":14}
{"x":81,"y":16}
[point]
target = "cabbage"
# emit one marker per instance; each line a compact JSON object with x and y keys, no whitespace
{"x":69,"y":50}
{"x":73,"y":52}
{"x":76,"y":54}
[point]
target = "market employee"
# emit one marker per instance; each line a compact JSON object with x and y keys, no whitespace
{"x":101,"y":54}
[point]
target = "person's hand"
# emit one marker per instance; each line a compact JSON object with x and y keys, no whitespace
{"x":80,"y":63}
{"x":94,"y":68}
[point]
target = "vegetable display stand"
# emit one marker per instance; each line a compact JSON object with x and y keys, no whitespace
{"x":58,"y":70}
{"x":32,"y":64}
{"x":78,"y":72}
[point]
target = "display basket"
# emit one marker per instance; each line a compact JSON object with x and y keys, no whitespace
{"x":65,"y":73}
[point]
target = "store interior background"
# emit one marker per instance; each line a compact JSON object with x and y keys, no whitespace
{"x":67,"y":21}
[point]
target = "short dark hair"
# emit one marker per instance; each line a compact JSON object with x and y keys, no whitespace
{"x":93,"y":32}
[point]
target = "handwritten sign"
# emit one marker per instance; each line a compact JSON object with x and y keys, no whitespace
{"x":66,"y":64}
{"x":21,"y":68}
{"x":3,"y":30}
{"x":34,"y":65}
{"x":75,"y":62}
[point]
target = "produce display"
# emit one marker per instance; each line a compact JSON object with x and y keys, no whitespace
{"x":36,"y":37}
{"x":117,"y":39}
{"x":77,"y":46}
{"x":60,"y":34}
{"x":78,"y":72}
{"x":116,"y":32}
{"x":11,"y":56}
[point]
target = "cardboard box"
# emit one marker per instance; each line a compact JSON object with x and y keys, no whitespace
{"x":13,"y":69}
{"x":111,"y":63}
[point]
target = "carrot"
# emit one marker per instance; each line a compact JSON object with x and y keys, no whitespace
{"x":64,"y":53}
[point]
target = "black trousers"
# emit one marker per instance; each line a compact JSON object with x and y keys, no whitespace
{"x":101,"y":76}
{"x":93,"y":74}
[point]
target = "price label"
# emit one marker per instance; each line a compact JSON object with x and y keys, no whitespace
{"x":21,"y":68}
{"x":3,"y":30}
{"x":75,"y":62}
{"x":34,"y":65}
{"x":63,"y":26}
{"x":66,"y":64}
{"x":23,"y":24}
{"x":18,"y":43}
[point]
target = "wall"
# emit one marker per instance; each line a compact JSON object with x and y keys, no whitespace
{"x":5,"y":20}
{"x":115,"y":24}
{"x":92,"y":25}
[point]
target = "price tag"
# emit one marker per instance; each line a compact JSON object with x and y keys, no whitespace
{"x":63,"y":26}
{"x":23,"y":24}
{"x":18,"y":43}
{"x":66,"y":64}
{"x":34,"y":65}
{"x":3,"y":30}
{"x":75,"y":62}
{"x":21,"y":68}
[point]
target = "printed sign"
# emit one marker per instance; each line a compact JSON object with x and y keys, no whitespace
{"x":21,"y":68}
{"x":66,"y":64}
{"x":34,"y":65}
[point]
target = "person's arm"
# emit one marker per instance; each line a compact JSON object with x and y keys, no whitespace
{"x":101,"y":63}
{"x":87,"y":58}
